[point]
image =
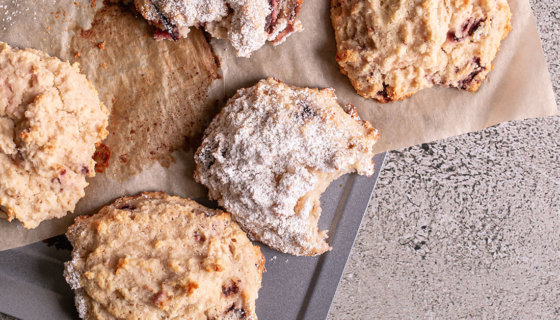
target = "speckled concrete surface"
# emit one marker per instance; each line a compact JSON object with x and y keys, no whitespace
{"x":468,"y":227}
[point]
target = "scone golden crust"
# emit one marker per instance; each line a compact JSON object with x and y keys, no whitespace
{"x":155,"y":256}
{"x":50,"y":121}
{"x":271,"y":152}
{"x":391,"y":49}
{"x":247,"y":24}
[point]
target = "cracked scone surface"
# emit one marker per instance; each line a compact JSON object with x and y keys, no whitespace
{"x":247,"y":24}
{"x":155,"y":256}
{"x":271,"y":152}
{"x":391,"y":49}
{"x":50,"y":121}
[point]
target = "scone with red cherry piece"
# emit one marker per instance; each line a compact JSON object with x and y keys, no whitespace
{"x":391,"y":49}
{"x":247,"y":24}
{"x":51,"y":119}
{"x":155,"y":256}
{"x":271,"y":152}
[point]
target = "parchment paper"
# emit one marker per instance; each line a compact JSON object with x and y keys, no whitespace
{"x":518,"y":87}
{"x":156,"y":90}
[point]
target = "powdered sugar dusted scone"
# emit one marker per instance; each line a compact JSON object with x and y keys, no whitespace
{"x":155,"y":256}
{"x":50,"y":121}
{"x":391,"y":49}
{"x":248,"y":24}
{"x":271,"y":152}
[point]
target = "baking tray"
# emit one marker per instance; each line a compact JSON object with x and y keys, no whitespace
{"x":32,"y":285}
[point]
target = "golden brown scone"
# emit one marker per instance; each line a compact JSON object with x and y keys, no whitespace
{"x":391,"y":49}
{"x":51,"y":118}
{"x":247,"y":24}
{"x":271,"y":152}
{"x":155,"y":256}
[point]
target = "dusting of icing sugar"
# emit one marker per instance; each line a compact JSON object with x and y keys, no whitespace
{"x":243,"y":22}
{"x":9,"y":13}
{"x":247,"y":32}
{"x":80,"y":302}
{"x":191,"y":13}
{"x":246,"y":29}
{"x":271,"y":146}
{"x":71,"y":275}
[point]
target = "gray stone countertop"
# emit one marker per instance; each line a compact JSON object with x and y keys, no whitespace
{"x":467,"y":227}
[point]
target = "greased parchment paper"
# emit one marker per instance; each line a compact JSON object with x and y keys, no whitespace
{"x":518,"y":87}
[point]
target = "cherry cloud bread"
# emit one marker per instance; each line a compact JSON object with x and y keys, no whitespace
{"x":271,"y":152}
{"x":155,"y":256}
{"x":51,"y":118}
{"x":247,"y":24}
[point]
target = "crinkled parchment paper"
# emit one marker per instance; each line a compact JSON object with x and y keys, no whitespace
{"x":129,"y":66}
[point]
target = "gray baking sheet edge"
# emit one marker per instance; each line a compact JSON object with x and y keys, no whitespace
{"x":32,"y":286}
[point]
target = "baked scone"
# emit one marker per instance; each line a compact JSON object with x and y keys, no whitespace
{"x":247,"y":24}
{"x":155,"y":256}
{"x":391,"y":49}
{"x":50,"y":121}
{"x":271,"y":152}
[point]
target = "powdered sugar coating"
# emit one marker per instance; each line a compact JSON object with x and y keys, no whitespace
{"x":244,"y":22}
{"x":272,"y":151}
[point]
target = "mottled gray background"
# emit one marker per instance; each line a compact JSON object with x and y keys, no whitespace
{"x":467,"y":227}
